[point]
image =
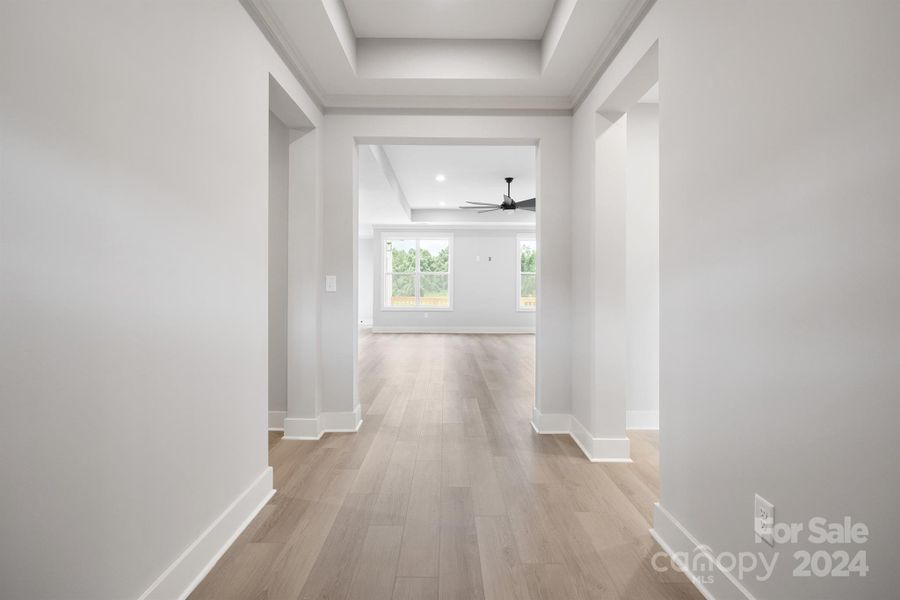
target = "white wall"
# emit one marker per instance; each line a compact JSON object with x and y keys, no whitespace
{"x":339,"y":319}
{"x":278,"y":262}
{"x":366,"y":282}
{"x":642,"y":265}
{"x":133,"y":286}
{"x":581,"y":252}
{"x":608,"y":361}
{"x":484,"y":272}
{"x":305,"y":285}
{"x":778,"y":264}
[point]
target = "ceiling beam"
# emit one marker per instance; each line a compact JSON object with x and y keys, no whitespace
{"x":387,"y":169}
{"x":343,"y":29}
{"x":556,"y":26}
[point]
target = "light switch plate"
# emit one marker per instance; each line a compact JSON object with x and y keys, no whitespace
{"x":330,"y":283}
{"x":763,"y":519}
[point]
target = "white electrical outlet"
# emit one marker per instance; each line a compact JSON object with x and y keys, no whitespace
{"x":763,"y":519}
{"x":330,"y":283}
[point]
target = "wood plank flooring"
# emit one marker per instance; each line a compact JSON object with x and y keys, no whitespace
{"x":446,"y":492}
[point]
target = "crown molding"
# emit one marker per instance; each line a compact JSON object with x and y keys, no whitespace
{"x":261,"y":14}
{"x":626,"y":25}
{"x":449,"y":111}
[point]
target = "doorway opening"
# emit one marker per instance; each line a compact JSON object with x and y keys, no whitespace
{"x":448,"y":282}
{"x":293,"y":215}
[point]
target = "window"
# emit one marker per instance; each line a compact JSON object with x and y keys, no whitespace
{"x":417,"y":272}
{"x":526,"y":284}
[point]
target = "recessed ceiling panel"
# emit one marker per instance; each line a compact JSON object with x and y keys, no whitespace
{"x":450,"y":19}
{"x":447,"y":176}
{"x":448,"y":53}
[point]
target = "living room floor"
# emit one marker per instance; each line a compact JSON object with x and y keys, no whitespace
{"x":446,"y":491}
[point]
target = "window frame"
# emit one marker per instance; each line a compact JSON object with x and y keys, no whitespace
{"x":387,"y":236}
{"x":525,"y":237}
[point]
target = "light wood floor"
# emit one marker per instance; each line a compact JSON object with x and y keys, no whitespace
{"x":447,"y":492}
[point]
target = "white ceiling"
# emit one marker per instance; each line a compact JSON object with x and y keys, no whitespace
{"x":471,"y":173}
{"x":450,"y":19}
{"x":448,"y":54}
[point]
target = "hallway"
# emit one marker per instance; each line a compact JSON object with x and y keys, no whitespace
{"x":447,"y":492}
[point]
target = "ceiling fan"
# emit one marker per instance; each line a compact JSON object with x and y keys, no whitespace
{"x":507,"y":204}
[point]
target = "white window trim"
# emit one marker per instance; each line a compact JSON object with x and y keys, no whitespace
{"x":412,"y":235}
{"x":523,"y":237}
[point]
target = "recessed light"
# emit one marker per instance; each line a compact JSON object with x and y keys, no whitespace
{"x":440,"y":178}
{"x":442,"y":203}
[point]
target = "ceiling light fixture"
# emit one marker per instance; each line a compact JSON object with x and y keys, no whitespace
{"x":442,"y":203}
{"x":440,"y":178}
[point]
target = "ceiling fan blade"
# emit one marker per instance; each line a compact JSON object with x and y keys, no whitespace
{"x":527,"y":204}
{"x":489,"y":210}
{"x":528,"y":208}
{"x":481,"y":203}
{"x":480,"y":207}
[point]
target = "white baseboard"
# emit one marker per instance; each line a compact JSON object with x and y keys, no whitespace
{"x":301,"y":429}
{"x":313,"y":428}
{"x":550,"y":423}
{"x":678,"y":542}
{"x":594,"y":448}
{"x":276,"y":420}
{"x":445,"y":329}
{"x":600,"y":449}
{"x":189,"y":569}
{"x":642,"y":419}
{"x":341,"y":421}
{"x":365,"y":323}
